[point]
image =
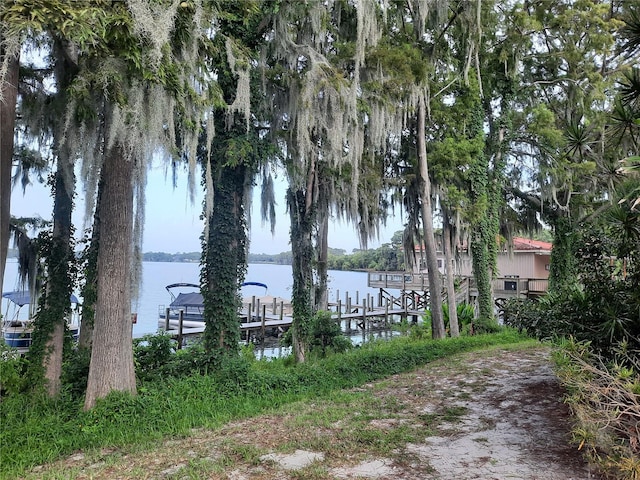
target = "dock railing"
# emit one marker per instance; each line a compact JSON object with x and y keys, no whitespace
{"x":503,"y":286}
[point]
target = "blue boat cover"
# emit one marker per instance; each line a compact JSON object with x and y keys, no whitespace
{"x":23,"y":298}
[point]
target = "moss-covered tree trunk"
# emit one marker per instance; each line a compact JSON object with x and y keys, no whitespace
{"x":224,"y":261}
{"x":9,"y":95}
{"x":301,"y":212}
{"x":111,"y":367}
{"x":322,"y":245}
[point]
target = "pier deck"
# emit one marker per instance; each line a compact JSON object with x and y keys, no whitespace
{"x":362,"y":315}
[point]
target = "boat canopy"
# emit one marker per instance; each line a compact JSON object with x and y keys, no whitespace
{"x":186,"y":300}
{"x":194,"y":299}
{"x":23,"y":298}
{"x":254,"y":284}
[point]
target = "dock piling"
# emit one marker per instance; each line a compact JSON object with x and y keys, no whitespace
{"x":180,"y":324}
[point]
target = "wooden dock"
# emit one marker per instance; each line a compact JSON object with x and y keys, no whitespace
{"x":258,"y":321}
{"x":401,"y":295}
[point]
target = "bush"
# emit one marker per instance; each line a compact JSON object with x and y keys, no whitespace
{"x":324,"y":336}
{"x":604,"y":397}
{"x":12,"y":367}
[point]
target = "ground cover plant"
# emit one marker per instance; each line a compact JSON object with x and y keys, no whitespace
{"x":37,"y":430}
{"x":456,"y":418}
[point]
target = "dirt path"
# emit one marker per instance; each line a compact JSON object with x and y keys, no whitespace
{"x":486,"y":415}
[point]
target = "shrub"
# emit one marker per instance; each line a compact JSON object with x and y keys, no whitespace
{"x":12,"y":367}
{"x":604,"y":397}
{"x":324,"y":336}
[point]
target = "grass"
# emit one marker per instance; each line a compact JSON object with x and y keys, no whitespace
{"x":36,"y":430}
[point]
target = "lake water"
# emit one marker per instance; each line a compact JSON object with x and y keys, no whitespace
{"x":157,"y":275}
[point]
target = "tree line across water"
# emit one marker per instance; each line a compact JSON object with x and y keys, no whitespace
{"x":387,"y":257}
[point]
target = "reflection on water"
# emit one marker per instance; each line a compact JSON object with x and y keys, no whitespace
{"x":272,"y":348}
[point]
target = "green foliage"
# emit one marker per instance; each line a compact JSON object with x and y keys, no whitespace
{"x":75,"y":371}
{"x":156,"y":357}
{"x":602,"y":310}
{"x":12,"y":367}
{"x":465,"y":313}
{"x":37,"y":430}
{"x":324,"y":336}
{"x":152,"y":354}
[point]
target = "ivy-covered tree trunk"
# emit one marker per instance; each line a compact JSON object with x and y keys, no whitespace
{"x":224,"y":261}
{"x":111,"y":367}
{"x":51,"y":319}
{"x":89,"y":290}
{"x":9,"y":95}
{"x":51,"y":323}
{"x":562,"y":265}
{"x":302,"y":213}
{"x":435,"y":282}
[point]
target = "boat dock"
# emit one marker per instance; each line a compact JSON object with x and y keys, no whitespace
{"x":259,"y":319}
{"x":264,"y":316}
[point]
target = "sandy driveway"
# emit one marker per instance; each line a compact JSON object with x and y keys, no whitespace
{"x":486,"y":415}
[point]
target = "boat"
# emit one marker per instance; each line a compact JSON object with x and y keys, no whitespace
{"x":17,"y":330}
{"x":187,"y":300}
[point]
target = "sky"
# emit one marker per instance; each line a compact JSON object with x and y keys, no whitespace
{"x":172,"y":222}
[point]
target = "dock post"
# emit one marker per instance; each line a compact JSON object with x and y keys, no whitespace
{"x":357,"y":297}
{"x":180,"y":322}
{"x":386,"y":313}
{"x":274,"y":309}
{"x":281,"y":309}
{"x":258,"y":311}
{"x":249,"y":307}
{"x":166,"y":319}
{"x":364,"y":315}
{"x":264,"y":316}
{"x":349,"y":313}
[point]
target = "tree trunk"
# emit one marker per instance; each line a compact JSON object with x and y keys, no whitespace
{"x":435,"y":284}
{"x":9,"y":88}
{"x":454,"y":328}
{"x":89,"y":290}
{"x":111,"y":366}
{"x":481,"y":274}
{"x":224,"y":261}
{"x":322,"y":294}
{"x":301,"y":214}
{"x":562,"y":266}
{"x":59,"y":280}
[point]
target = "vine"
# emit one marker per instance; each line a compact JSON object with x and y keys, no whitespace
{"x":224,"y":261}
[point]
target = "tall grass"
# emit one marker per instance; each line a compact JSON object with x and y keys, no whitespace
{"x":37,"y":430}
